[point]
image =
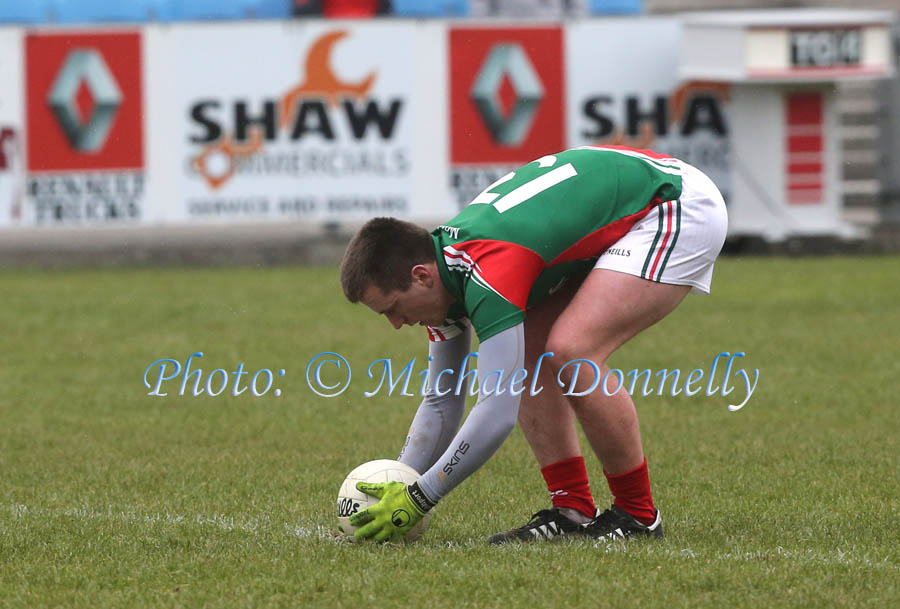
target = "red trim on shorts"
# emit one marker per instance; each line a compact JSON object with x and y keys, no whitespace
{"x":665,"y":240}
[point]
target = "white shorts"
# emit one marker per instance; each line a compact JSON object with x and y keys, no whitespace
{"x":678,"y":241}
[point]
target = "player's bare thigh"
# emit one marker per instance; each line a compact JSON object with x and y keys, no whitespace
{"x":540,"y":319}
{"x":609,"y":309}
{"x":546,"y":417}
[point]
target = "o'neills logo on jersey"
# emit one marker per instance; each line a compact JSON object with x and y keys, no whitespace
{"x":85,"y":127}
{"x":325,"y":112}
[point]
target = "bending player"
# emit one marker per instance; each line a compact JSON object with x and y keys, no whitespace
{"x":572,"y":254}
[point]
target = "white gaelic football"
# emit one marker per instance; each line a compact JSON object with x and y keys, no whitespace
{"x":351,"y":501}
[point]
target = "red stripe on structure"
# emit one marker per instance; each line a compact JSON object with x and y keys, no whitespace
{"x":665,"y":240}
{"x":804,"y":109}
{"x":817,"y":73}
{"x":804,"y":168}
{"x":805,"y":197}
{"x":805,"y":143}
{"x":598,"y":241}
{"x":439,"y":334}
{"x":804,"y":136}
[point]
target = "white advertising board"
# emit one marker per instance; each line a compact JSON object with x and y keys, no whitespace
{"x":305,"y":121}
{"x":318,"y":121}
{"x":12,"y":137}
{"x":623,"y":89}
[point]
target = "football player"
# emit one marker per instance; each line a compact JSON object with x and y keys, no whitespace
{"x":565,"y":258}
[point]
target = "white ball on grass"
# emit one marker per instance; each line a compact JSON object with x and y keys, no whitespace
{"x":350,"y":500}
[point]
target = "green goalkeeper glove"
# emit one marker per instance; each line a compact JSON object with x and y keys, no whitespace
{"x":391,"y":518}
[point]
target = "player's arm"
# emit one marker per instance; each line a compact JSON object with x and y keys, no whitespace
{"x":440,"y":412}
{"x":491,"y":419}
{"x":487,"y":426}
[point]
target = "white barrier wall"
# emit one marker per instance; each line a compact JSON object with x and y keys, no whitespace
{"x":315,"y":121}
{"x":12,"y":137}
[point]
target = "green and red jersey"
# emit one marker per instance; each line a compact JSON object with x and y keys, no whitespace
{"x":520,"y":239}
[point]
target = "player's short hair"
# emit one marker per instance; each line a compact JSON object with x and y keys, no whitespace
{"x":383,"y":253}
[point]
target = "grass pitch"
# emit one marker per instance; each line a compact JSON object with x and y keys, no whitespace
{"x":113,"y":498}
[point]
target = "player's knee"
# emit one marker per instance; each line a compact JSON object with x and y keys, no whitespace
{"x":567,"y":348}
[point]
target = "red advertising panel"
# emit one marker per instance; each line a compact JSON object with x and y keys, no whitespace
{"x":506,"y":94}
{"x":84,"y":101}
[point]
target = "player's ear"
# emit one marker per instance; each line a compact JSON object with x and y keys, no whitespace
{"x":422,"y":274}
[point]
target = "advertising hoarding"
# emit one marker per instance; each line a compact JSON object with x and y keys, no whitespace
{"x":311,"y":123}
{"x":84,"y":127}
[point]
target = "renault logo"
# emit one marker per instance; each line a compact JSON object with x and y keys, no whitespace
{"x":85,"y":66}
{"x":511,"y":61}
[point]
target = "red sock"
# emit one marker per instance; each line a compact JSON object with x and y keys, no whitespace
{"x":568,"y":484}
{"x":631,"y":491}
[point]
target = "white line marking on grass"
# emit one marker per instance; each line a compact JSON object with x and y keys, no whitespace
{"x":247,"y":524}
{"x":264,"y":524}
{"x":810,"y":556}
